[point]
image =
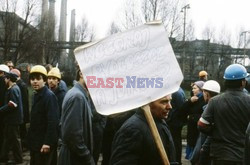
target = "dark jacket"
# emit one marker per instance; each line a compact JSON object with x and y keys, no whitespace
{"x":230,"y":115}
{"x":247,"y":147}
{"x":13,"y":115}
{"x":25,"y":100}
{"x":60,"y":93}
{"x":178,"y":99}
{"x":3,"y":89}
{"x":113,"y":124}
{"x":191,"y":112}
{"x":44,"y":120}
{"x":133,"y":143}
{"x":76,"y":128}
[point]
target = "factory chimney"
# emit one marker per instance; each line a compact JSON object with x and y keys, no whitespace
{"x":63,"y":21}
{"x":51,"y":21}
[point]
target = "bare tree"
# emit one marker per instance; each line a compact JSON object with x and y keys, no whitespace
{"x":135,"y":14}
{"x":84,"y":32}
{"x":209,"y":33}
{"x":128,"y":18}
{"x":190,"y":31}
{"x":114,"y":28}
{"x":17,"y":35}
{"x":224,"y":59}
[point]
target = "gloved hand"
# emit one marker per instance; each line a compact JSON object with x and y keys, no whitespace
{"x":12,"y":104}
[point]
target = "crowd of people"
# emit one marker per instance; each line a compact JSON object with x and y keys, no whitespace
{"x":63,"y":127}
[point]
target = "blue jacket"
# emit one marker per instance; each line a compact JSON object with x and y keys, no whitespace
{"x":76,"y":128}
{"x":60,"y":93}
{"x":44,"y":120}
{"x":13,"y":115}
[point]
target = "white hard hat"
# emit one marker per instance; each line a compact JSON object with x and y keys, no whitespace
{"x":212,"y":86}
{"x":4,"y":68}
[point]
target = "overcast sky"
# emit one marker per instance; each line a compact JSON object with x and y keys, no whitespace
{"x":231,"y":14}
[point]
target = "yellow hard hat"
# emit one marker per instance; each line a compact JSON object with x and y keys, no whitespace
{"x":55,"y":72}
{"x":202,"y":73}
{"x":38,"y":69}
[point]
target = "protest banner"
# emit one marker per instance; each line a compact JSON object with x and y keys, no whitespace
{"x":129,"y":69}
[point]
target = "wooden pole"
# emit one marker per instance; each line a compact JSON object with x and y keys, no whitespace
{"x":155,"y":134}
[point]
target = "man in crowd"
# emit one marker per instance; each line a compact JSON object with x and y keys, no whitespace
{"x":175,"y":122}
{"x":25,"y":101}
{"x":3,"y":87}
{"x":247,"y":147}
{"x":134,"y":144}
{"x":10,"y":64}
{"x":43,"y":132}
{"x":62,"y":84}
{"x":76,"y":126}
{"x":13,"y":117}
{"x":54,"y":77}
{"x":226,"y":118}
{"x":203,"y":75}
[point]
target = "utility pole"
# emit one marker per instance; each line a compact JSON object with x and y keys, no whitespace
{"x":244,"y":33}
{"x":184,"y":10}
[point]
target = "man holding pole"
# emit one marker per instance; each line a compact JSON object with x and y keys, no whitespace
{"x":122,"y":76}
{"x":134,"y":143}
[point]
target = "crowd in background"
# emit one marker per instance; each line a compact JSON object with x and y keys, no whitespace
{"x":63,"y":126}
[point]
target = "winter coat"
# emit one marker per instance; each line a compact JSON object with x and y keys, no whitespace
{"x":134,"y":144}
{"x":3,"y":89}
{"x":76,"y":128}
{"x":44,"y":120}
{"x":60,"y":93}
{"x":247,"y":147}
{"x":191,"y":111}
{"x":13,"y":115}
{"x":25,"y":100}
{"x":114,"y":122}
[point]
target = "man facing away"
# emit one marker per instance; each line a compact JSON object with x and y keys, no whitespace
{"x":226,"y":118}
{"x":43,"y":132}
{"x":76,"y":126}
{"x":134,"y":143}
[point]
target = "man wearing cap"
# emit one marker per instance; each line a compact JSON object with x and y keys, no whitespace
{"x":203,"y":75}
{"x":43,"y":132}
{"x":3,"y":87}
{"x":226,"y":118}
{"x":13,"y":111}
{"x":54,"y":77}
{"x":25,"y":101}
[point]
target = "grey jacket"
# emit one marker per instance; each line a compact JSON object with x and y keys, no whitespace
{"x":76,"y":128}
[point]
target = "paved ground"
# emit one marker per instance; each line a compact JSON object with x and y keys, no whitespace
{"x":26,"y":157}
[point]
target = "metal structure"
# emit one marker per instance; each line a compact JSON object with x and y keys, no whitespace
{"x":184,"y":10}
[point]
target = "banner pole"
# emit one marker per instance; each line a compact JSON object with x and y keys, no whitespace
{"x":155,"y":134}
